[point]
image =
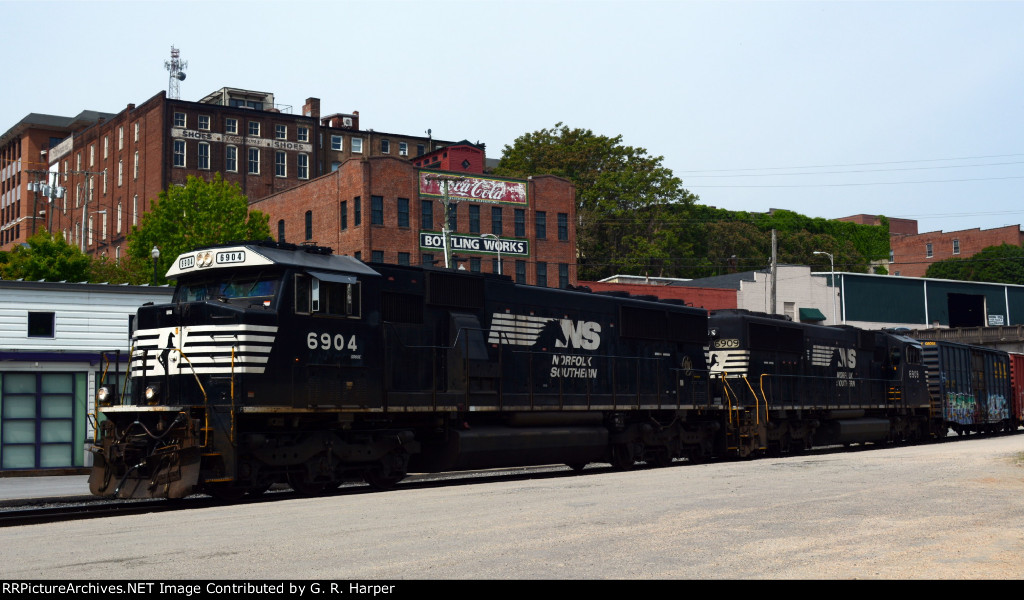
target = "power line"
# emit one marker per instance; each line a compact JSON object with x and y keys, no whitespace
{"x":863,"y":164}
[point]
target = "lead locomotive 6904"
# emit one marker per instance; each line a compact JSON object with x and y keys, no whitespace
{"x":284,"y":364}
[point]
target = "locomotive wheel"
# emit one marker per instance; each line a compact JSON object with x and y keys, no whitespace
{"x":622,"y":457}
{"x":659,"y":457}
{"x":305,"y":487}
{"x":577,"y":467}
{"x":380,"y":481}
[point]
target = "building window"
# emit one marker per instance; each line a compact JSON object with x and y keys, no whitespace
{"x":135,"y":210}
{"x":928,"y":250}
{"x":254,"y":128}
{"x":204,"y":155}
{"x":136,"y":127}
{"x":403,"y":149}
{"x":344,"y":215}
{"x":179,"y":153}
{"x":426,"y":214}
{"x":136,"y":167}
{"x":358,"y":255}
{"x":563,"y":275}
{"x":520,"y":222}
{"x":892,"y":256}
{"x":385,"y":147}
{"x":403,"y":258}
{"x":495,"y":267}
{"x":303,"y":133}
{"x":337,"y":142}
{"x":281,"y":132}
{"x":357,"y":145}
{"x":254,"y":161}
{"x":280,"y":164}
{"x":179,"y":119}
{"x":280,"y":230}
{"x":474,"y":264}
{"x":474,"y":218}
{"x":119,"y":217}
{"x":357,"y":211}
{"x":376,"y":210}
{"x":897,"y":273}
{"x":496,"y":220}
{"x":120,"y":172}
{"x":303,"y":163}
{"x":120,"y":137}
{"x":542,"y":274}
{"x":231,"y":159}
{"x":520,"y":271}
{"x":377,"y":256}
{"x":563,"y":227}
{"x":204,"y":122}
{"x":231,"y":126}
{"x":403,"y":212}
{"x":106,"y":146}
{"x":309,"y":225}
{"x":427,"y":259}
{"x":92,"y":155}
{"x":956,"y":246}
{"x":542,"y":224}
{"x":40,"y":325}
{"x":420,"y":149}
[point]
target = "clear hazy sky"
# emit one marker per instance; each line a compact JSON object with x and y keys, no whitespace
{"x":909,"y":109}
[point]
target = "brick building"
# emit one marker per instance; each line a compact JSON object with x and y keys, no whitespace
{"x":24,"y":158}
{"x":384,"y":209}
{"x":911,"y":255}
{"x":112,"y":170}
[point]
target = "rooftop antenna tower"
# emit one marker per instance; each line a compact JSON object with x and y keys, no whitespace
{"x":177,"y":67}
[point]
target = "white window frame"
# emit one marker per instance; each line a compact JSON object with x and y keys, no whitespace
{"x":135,"y":210}
{"x":180,"y":147}
{"x":302,"y":166}
{"x":280,"y":132}
{"x":136,"y":131}
{"x":120,"y":172}
{"x":403,"y":148}
{"x":180,"y":120}
{"x":280,"y":164}
{"x":254,"y":128}
{"x":120,"y":137}
{"x":303,"y":134}
{"x":204,"y":122}
{"x":385,"y":146}
{"x":231,"y":126}
{"x":956,"y":246}
{"x":203,"y":156}
{"x":136,"y":165}
{"x":928,"y":253}
{"x":231,"y":159}
{"x":337,"y":142}
{"x":357,"y":145}
{"x":253,"y":161}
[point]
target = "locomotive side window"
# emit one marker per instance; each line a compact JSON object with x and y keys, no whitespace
{"x":327,"y":294}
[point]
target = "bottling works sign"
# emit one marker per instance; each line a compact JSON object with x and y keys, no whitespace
{"x":476,"y":189}
{"x":470,"y":243}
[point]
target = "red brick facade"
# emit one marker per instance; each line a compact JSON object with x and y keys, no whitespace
{"x":706,"y":298}
{"x":913,"y":254}
{"x":373,"y":208}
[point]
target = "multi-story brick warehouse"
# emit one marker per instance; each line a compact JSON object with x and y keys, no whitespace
{"x":24,"y":158}
{"x":913,"y":254}
{"x":381,"y":209}
{"x":114,"y":170}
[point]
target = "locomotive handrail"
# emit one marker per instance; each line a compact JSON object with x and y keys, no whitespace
{"x":767,"y":417}
{"x":206,"y":399}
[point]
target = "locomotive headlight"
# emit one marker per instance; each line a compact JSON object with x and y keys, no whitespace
{"x":152,"y":392}
{"x":102,"y":394}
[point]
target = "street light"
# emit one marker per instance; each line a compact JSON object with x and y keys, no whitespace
{"x":832,"y":270}
{"x":497,"y":246}
{"x":446,"y":202}
{"x":155,"y":253}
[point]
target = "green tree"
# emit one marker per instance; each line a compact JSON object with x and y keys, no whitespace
{"x":126,"y":270}
{"x":995,"y":264}
{"x":200,"y":213}
{"x":46,"y":256}
{"x":622,"y":197}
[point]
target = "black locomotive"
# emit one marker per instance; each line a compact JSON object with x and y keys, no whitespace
{"x":277,"y":363}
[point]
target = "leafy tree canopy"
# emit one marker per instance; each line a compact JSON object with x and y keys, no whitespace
{"x":621,"y":194}
{"x":995,"y":264}
{"x":46,"y":256}
{"x":200,"y":213}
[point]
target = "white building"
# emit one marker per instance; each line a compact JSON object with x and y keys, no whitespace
{"x":51,"y":339}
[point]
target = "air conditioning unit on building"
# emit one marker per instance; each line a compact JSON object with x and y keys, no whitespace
{"x":346,"y":121}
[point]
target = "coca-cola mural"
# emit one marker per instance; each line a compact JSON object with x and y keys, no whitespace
{"x":477,"y":189}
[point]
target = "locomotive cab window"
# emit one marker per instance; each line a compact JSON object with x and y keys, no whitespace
{"x":327,"y":294}
{"x":249,"y":290}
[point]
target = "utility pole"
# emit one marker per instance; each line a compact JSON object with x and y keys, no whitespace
{"x":447,"y":203}
{"x":774,"y":271}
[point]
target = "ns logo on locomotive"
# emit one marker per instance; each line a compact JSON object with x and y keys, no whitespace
{"x":283,"y":364}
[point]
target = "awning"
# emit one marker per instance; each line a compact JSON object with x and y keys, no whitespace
{"x":811,"y":314}
{"x":339,"y":278}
